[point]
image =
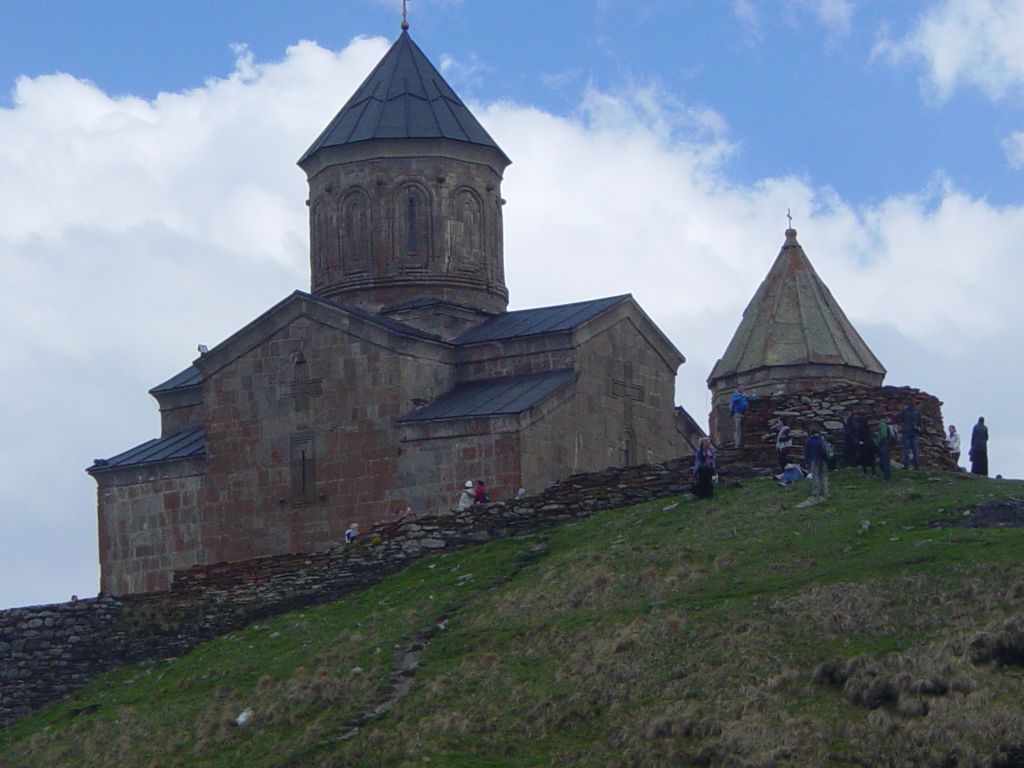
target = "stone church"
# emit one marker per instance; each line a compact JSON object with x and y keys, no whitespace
{"x":399,"y":376}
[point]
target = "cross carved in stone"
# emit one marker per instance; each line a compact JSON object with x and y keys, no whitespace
{"x":302,"y":387}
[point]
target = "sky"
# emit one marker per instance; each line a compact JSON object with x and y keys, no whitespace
{"x":150,"y":201}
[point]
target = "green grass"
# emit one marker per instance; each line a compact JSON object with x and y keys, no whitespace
{"x":643,"y":636}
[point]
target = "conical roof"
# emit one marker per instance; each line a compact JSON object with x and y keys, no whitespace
{"x":405,"y":97}
{"x":793,"y":320}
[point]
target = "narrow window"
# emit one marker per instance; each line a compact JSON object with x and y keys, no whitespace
{"x":303,"y":470}
{"x":354,"y":234}
{"x":412,"y":228}
{"x":410,"y":221}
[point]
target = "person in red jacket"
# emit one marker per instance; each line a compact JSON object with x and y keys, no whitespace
{"x":482,"y":496}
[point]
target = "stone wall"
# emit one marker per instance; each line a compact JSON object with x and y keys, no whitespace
{"x":148,"y":524}
{"x":826,"y":408}
{"x":49,"y":651}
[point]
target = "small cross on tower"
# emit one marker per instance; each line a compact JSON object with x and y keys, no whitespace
{"x":405,"y":14}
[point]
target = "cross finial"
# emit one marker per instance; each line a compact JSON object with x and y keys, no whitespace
{"x":790,"y":217}
{"x":405,"y":15}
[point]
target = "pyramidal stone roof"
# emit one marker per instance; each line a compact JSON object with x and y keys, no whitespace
{"x":405,"y":97}
{"x":793,"y":320}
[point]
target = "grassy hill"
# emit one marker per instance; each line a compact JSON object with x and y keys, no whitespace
{"x":742,"y":631}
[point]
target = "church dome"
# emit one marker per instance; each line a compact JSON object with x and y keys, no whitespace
{"x":405,"y":194}
{"x":794,"y":333}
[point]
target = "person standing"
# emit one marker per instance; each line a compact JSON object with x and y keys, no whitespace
{"x":979,"y":448}
{"x":783,"y":443}
{"x":816,"y":455}
{"x":704,"y":469}
{"x":954,"y":444}
{"x":883,"y":440}
{"x":738,"y":408}
{"x":851,"y":426}
{"x":910,"y":428}
{"x":866,"y":448}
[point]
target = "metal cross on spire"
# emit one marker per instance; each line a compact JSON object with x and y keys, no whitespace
{"x":790,"y":217}
{"x":405,"y":15}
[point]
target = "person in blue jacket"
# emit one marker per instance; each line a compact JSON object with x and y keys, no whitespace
{"x":816,"y":454}
{"x":738,"y":407}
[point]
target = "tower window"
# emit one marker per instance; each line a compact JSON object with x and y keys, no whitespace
{"x":410,"y":222}
{"x":413,"y":236}
{"x":355,"y":231}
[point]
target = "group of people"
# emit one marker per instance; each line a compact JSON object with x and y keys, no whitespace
{"x":978,"y":453}
{"x":865,"y":446}
{"x":473,"y":495}
{"x":869,"y":448}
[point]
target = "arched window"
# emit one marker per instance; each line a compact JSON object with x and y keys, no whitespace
{"x":412,"y":232}
{"x":467,"y":231}
{"x":354,"y":235}
{"x":317,"y":237}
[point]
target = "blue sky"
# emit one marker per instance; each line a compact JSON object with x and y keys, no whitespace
{"x":151,"y":202}
{"x":805,"y":87}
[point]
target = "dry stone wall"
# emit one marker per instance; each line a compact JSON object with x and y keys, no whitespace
{"x":49,"y":651}
{"x":826,"y":408}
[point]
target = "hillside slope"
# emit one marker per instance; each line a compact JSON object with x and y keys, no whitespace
{"x":743,"y":631}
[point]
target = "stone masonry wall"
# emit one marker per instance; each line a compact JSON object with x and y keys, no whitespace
{"x":48,"y":651}
{"x":148,"y":524}
{"x":826,"y":408}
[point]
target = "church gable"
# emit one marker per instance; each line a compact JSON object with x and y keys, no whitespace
{"x":300,"y":426}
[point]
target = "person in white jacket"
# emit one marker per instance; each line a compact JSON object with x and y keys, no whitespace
{"x":954,"y":444}
{"x":468,"y":498}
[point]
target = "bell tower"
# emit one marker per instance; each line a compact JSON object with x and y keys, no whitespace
{"x":405,"y":205}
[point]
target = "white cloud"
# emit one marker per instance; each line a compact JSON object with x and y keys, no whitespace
{"x":134,"y":230}
{"x":834,"y":15}
{"x":463,"y":73}
{"x":966,"y":43}
{"x":1013,"y":145}
{"x":747,"y":14}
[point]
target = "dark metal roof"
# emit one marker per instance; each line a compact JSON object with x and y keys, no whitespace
{"x":794,"y":320}
{"x":494,"y":397}
{"x":430,"y":301}
{"x":190,"y":377}
{"x":528,"y":322}
{"x":384,"y":322}
{"x":404,"y":97}
{"x":187,"y":444}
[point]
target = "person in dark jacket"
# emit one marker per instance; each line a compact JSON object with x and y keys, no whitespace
{"x":979,"y":448}
{"x":816,"y":455}
{"x":704,"y":470}
{"x":851,"y":427}
{"x":883,"y":441}
{"x":866,"y":448}
{"x":910,"y":428}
